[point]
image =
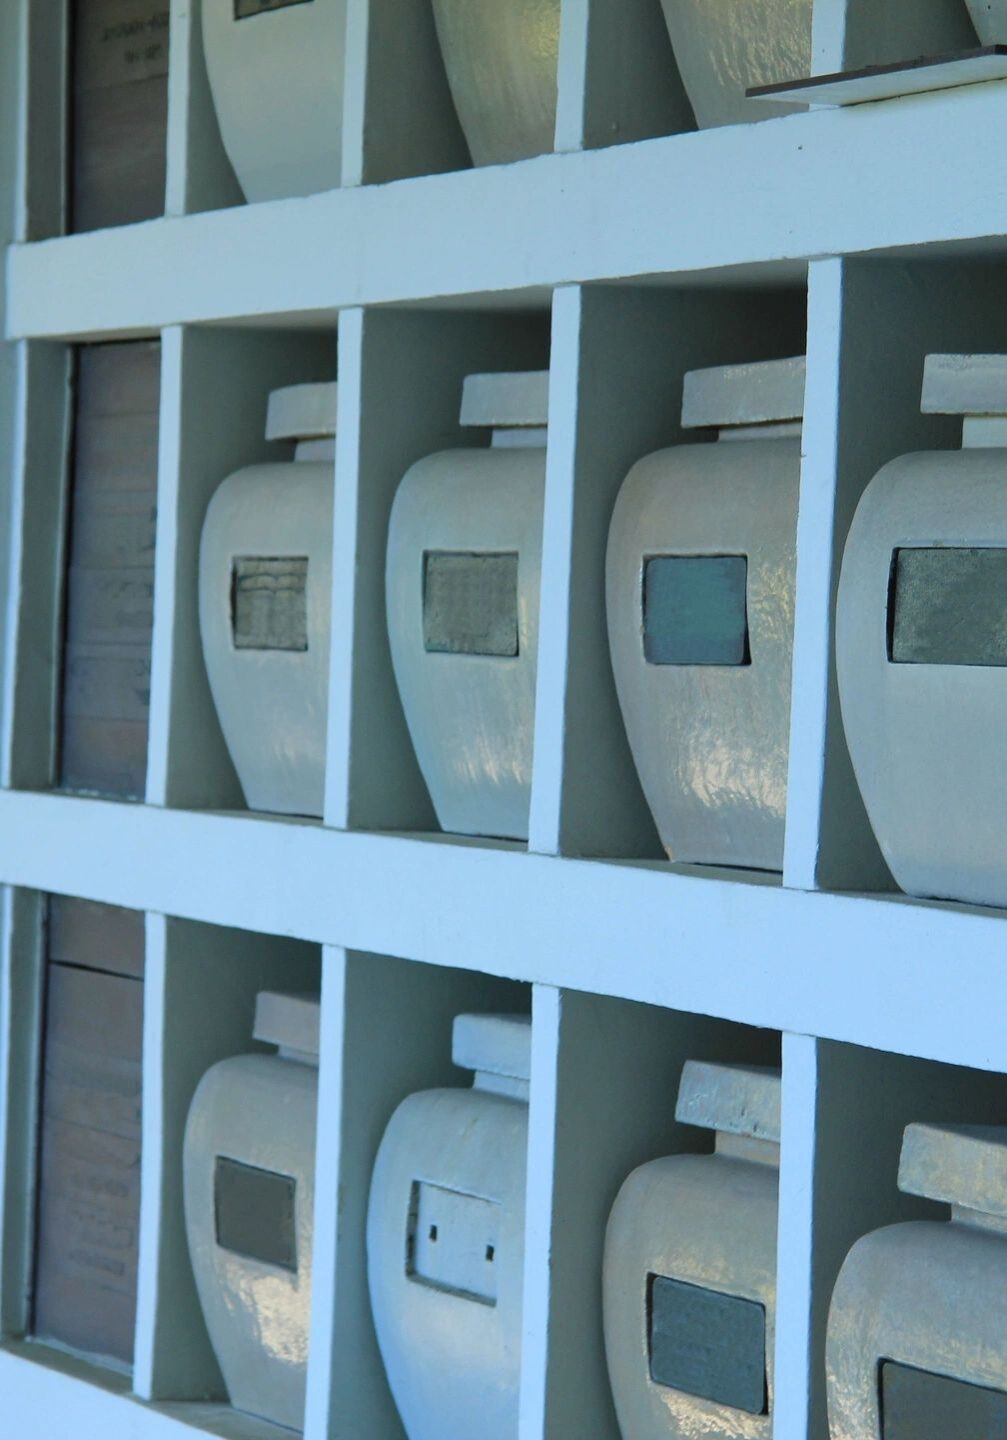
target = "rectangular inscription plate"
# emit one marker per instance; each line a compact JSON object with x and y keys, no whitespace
{"x":452,"y":1242}
{"x":269,"y":602}
{"x":948,"y":606}
{"x":916,"y":1405}
{"x":470,"y":601}
{"x":245,"y":8}
{"x":695,"y":610}
{"x":254,"y":1213}
{"x":708,"y":1344}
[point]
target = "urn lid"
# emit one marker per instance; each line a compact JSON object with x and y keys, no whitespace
{"x":493,"y":1044}
{"x":960,"y":1164}
{"x":964,"y":385}
{"x":768,"y":392}
{"x":302,"y":412}
{"x":737,"y":1099}
{"x":512,"y":401}
{"x":290,"y":1022}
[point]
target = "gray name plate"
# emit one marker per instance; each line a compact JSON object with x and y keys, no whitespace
{"x":451,"y":1243}
{"x":916,"y":1405}
{"x":269,"y":602}
{"x":948,"y":606}
{"x":254,"y":1212}
{"x":695,"y":610}
{"x":708,"y":1344}
{"x":470,"y":602}
{"x":243,"y":9}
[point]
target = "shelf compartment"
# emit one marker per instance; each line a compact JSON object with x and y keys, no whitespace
{"x":202,"y":983}
{"x":420,"y":358}
{"x":373,"y":1005}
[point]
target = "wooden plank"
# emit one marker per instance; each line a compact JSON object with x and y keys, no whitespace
{"x":96,"y":937}
{"x":120,"y":112}
{"x":89,"y":1166}
{"x":110,"y":581}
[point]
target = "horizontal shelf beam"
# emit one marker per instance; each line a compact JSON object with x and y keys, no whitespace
{"x":878,"y":971}
{"x":709,"y":206}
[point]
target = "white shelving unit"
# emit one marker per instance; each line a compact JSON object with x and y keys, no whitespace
{"x":871,"y":235}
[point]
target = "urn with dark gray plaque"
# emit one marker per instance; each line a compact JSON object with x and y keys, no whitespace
{"x":917,"y":1333}
{"x":700,"y":577}
{"x":119,"y":110}
{"x":88,"y":1188}
{"x":249,"y":1178}
{"x":690,"y":1269}
{"x":265,"y":577}
{"x":921,"y":644}
{"x":109,"y":594}
{"x":462,"y":597}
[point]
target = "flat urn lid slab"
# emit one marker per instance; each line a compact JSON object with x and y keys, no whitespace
{"x":766,"y":392}
{"x":965,"y":385}
{"x":493,"y":1044}
{"x":515,"y":400}
{"x":302,"y":412}
{"x":288,"y":1021}
{"x":737,"y":1099}
{"x":960,"y":1164}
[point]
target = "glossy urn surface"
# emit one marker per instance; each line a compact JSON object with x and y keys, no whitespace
{"x":501,"y":64}
{"x":249,"y":1175}
{"x":690,"y":1270}
{"x":700,"y":579}
{"x":265,"y":582}
{"x":445,"y":1241}
{"x":462,"y":599}
{"x":921,"y":645}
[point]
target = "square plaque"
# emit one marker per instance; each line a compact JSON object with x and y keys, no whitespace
{"x":708,"y":1344}
{"x":470,"y":602}
{"x":269,"y":602}
{"x":948,"y":606}
{"x":917,"y":1405}
{"x":254,"y":1213}
{"x":695,"y":610}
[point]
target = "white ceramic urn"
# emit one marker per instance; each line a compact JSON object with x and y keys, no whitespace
{"x":249,"y":1176}
{"x":462,"y":596}
{"x":700,"y":581}
{"x":917,"y":1334}
{"x":501,"y":61}
{"x":921,"y":645}
{"x":276,"y":72}
{"x":690,"y":1269}
{"x":725,"y":47}
{"x":445,"y":1240}
{"x":265,"y":582}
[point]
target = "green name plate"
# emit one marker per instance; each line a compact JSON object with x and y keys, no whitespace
{"x":708,"y":1344}
{"x":695,"y":610}
{"x":470,"y":602}
{"x":948,"y":606}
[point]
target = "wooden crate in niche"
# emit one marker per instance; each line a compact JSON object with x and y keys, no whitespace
{"x":110,"y":579}
{"x":119,"y":111}
{"x":88,"y":1188}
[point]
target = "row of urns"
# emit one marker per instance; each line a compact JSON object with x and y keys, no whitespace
{"x":700,"y":601}
{"x":282,"y":132}
{"x":916,"y":1327}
